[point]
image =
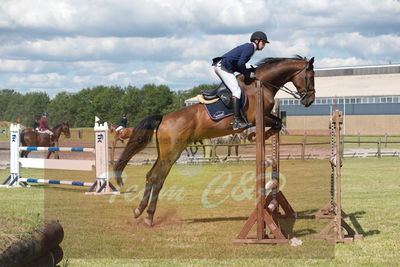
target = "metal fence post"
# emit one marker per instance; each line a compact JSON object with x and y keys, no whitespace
{"x":379,"y":148}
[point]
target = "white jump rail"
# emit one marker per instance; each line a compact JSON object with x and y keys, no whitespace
{"x":101,"y":186}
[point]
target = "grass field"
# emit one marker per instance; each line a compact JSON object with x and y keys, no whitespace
{"x":203,"y":207}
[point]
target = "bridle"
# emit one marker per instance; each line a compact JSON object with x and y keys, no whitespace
{"x":298,"y":95}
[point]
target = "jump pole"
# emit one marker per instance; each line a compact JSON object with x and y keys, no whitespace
{"x":102,"y":184}
{"x":333,"y":232}
{"x":265,"y":215}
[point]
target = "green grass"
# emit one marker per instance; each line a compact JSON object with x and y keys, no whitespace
{"x":191,"y":230}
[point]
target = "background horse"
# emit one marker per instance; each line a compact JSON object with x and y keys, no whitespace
{"x":31,"y":138}
{"x":121,"y":135}
{"x":174,"y":131}
{"x":192,"y":149}
{"x":232,"y":140}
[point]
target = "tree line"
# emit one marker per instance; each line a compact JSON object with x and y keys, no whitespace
{"x":108,"y":103}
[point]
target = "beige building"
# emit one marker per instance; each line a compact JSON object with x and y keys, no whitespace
{"x":369,"y":98}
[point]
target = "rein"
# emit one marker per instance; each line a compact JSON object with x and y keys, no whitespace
{"x":283,"y":88}
{"x":295,"y":94}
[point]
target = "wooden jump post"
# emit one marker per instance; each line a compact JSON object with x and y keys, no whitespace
{"x":333,"y":232}
{"x":267,"y":210}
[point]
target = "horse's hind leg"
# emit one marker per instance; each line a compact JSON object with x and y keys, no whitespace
{"x":154,"y":182}
{"x":158,"y":176}
{"x":147,"y":192}
{"x":169,"y":152}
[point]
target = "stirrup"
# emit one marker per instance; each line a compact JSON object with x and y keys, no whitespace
{"x":239,"y":124}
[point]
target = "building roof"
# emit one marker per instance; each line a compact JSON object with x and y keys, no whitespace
{"x":358,"y":70}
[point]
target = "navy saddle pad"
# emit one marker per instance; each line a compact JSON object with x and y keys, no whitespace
{"x":217,"y":111}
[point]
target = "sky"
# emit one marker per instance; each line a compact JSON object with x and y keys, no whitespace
{"x":68,"y":45}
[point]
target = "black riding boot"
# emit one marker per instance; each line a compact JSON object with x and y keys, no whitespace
{"x":238,"y":122}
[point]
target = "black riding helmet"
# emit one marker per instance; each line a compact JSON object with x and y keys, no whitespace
{"x":259,"y":36}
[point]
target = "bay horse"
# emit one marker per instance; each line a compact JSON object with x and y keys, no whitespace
{"x":121,"y":135}
{"x":175,"y":130}
{"x":32,"y":138}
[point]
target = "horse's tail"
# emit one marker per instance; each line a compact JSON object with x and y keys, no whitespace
{"x":140,"y":137}
{"x":22,"y":138}
{"x":23,"y":154}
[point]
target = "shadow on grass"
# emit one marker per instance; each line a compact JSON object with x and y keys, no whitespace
{"x":216,"y":219}
{"x":287,"y":224}
{"x":65,"y":189}
{"x":72,"y":188}
{"x":353,"y":218}
{"x":306,"y":214}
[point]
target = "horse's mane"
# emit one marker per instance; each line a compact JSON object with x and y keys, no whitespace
{"x":272,"y":60}
{"x":59,"y":125}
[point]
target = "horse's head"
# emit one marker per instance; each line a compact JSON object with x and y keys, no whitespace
{"x":113,"y":127}
{"x":64,"y":128}
{"x":275,"y":72}
{"x":304,"y":83}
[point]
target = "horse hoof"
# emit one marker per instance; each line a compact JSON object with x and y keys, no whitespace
{"x":148,"y":221}
{"x":119,"y":182}
{"x":136,"y":212}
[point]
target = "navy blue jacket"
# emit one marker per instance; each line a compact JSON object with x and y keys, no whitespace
{"x":236,"y":59}
{"x":123,"y":122}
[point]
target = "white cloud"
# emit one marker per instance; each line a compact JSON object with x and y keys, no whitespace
{"x":130,"y":18}
{"x":374,"y":49}
{"x":38,"y":80}
{"x":196,"y":71}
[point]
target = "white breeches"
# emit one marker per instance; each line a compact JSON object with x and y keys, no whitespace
{"x":46,"y":132}
{"x":229,"y":79}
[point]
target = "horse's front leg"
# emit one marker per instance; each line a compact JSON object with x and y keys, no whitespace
{"x":194,"y":151}
{"x":229,"y":153}
{"x":275,"y":124}
{"x":237,"y":150}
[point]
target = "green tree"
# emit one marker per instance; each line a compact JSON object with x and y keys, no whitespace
{"x":131,"y":105}
{"x":34,"y":105}
{"x":7,"y":98}
{"x":107,"y":102}
{"x":156,"y":100}
{"x":61,"y":109}
{"x":182,"y":95}
{"x":82,"y":104}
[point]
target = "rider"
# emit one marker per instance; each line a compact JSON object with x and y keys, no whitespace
{"x":235,"y":61}
{"x":35,"y":125}
{"x":43,"y":127}
{"x":122,"y":123}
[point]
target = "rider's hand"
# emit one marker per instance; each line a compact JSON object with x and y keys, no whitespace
{"x":248,"y":80}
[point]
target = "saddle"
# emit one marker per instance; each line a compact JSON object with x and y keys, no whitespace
{"x":221,"y":92}
{"x":218,"y":102}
